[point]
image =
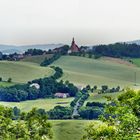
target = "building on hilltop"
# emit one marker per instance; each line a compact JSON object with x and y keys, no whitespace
{"x":74,"y":47}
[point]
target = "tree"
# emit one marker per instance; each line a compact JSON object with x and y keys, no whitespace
{"x":9,"y":80}
{"x":0,"y":79}
{"x":34,"y":126}
{"x":121,"y":119}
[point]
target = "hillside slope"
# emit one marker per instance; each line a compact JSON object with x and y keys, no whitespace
{"x":83,"y":71}
{"x":21,"y":72}
{"x":37,"y":59}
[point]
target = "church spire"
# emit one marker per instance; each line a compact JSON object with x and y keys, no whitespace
{"x":73,"y":41}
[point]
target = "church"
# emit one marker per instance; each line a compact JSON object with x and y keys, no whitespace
{"x":74,"y":47}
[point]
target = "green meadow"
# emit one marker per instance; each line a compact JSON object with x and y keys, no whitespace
{"x":46,"y":104}
{"x":69,"y":129}
{"x":21,"y":72}
{"x":95,"y":97}
{"x":83,"y":71}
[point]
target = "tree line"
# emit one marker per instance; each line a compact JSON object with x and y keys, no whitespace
{"x":117,"y":50}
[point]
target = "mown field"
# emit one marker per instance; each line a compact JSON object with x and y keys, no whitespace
{"x":36,"y":59}
{"x":21,"y":72}
{"x":46,"y":104}
{"x":83,"y":71}
{"x":69,"y":129}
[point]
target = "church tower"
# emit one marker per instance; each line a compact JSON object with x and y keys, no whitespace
{"x":74,"y":46}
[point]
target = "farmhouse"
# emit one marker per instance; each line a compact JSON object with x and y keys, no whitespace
{"x":35,"y":85}
{"x":62,"y":95}
{"x":74,"y":47}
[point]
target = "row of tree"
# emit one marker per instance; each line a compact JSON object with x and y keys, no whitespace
{"x":117,"y":50}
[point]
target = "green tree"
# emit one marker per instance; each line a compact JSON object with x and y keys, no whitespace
{"x":29,"y":126}
{"x":9,"y":80}
{"x":121,"y":120}
{"x":0,"y":79}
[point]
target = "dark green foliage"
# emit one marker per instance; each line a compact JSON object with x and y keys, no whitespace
{"x":97,"y":104}
{"x":104,"y":87}
{"x":60,"y":112}
{"x":33,"y":52}
{"x":117,"y":50}
{"x":9,"y":80}
{"x":90,"y":112}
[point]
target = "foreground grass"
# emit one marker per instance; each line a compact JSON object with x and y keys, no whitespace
{"x":46,"y":104}
{"x":21,"y":72}
{"x":69,"y":129}
{"x":83,"y":71}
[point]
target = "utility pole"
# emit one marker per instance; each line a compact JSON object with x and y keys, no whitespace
{"x":135,"y":78}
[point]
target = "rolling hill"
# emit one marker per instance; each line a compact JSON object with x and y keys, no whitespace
{"x":36,"y":59}
{"x":21,"y":72}
{"x":83,"y":71}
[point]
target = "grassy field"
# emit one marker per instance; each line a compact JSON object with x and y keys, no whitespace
{"x":21,"y":72}
{"x":6,"y":84}
{"x":46,"y":104}
{"x":95,"y":97}
{"x":83,"y":71}
{"x":136,"y":61}
{"x":36,"y":59}
{"x":69,"y":129}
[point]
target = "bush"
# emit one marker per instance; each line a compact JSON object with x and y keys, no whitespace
{"x":0,"y":79}
{"x":9,"y":80}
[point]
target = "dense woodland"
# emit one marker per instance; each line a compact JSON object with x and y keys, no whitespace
{"x":117,"y":50}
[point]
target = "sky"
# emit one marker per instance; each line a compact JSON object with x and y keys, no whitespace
{"x":57,"y":21}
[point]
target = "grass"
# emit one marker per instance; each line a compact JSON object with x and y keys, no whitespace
{"x":36,"y":59}
{"x":83,"y":71}
{"x":6,"y":84}
{"x":136,"y":61}
{"x":21,"y":72}
{"x":95,"y":97}
{"x":69,"y":129}
{"x":46,"y":104}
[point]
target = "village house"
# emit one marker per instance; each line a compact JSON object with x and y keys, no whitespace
{"x":35,"y":85}
{"x":62,"y":95}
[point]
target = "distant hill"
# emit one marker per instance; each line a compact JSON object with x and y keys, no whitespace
{"x":134,"y":42}
{"x":20,"y":49}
